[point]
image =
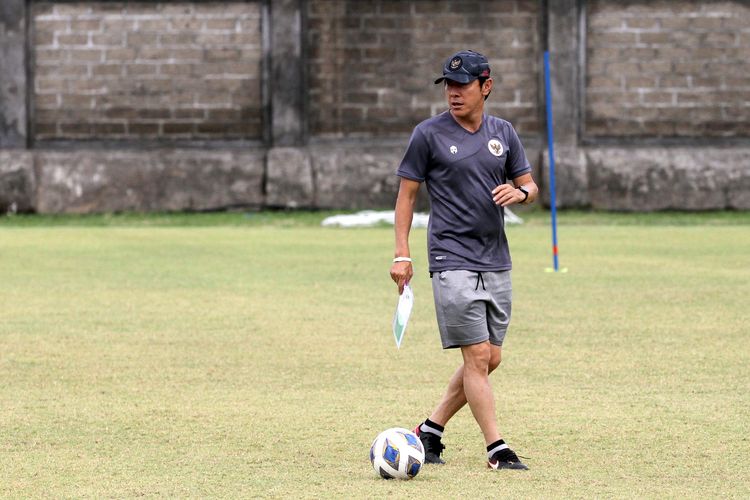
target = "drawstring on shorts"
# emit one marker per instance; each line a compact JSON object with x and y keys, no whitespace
{"x":480,"y":278}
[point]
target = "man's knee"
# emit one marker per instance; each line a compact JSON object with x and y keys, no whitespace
{"x":477,"y":357}
{"x":496,"y":356}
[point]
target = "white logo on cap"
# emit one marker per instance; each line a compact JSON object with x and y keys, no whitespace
{"x":454,"y":150}
{"x":495,"y":147}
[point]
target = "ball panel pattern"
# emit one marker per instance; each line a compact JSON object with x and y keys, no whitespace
{"x":413,"y":440}
{"x":413,"y":467}
{"x":397,"y":453}
{"x":391,"y":455}
{"x":384,"y":474}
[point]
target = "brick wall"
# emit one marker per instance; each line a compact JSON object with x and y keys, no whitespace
{"x":372,"y":63}
{"x":124,"y":70}
{"x":668,"y":68}
{"x":660,"y":73}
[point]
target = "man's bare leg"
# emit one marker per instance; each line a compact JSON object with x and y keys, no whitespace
{"x":478,"y":390}
{"x":454,"y":398}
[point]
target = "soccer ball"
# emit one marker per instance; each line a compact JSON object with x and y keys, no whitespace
{"x":397,"y":454}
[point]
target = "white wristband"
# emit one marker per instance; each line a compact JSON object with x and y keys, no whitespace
{"x":402,"y":259}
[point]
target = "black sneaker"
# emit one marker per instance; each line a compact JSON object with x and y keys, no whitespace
{"x":433,"y":447}
{"x":506,"y":459}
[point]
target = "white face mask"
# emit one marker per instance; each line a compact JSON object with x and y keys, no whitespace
{"x":403,"y":311}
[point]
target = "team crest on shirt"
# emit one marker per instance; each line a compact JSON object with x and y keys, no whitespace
{"x":454,"y":150}
{"x":495,"y":147}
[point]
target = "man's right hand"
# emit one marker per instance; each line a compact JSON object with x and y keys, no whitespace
{"x":401,"y":273}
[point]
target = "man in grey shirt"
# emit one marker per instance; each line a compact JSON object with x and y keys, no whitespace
{"x":466,"y":159}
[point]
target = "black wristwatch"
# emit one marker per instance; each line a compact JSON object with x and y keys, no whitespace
{"x":525,"y":193}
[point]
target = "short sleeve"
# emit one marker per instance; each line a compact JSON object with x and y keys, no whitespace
{"x":517,"y":164}
{"x":416,"y":159}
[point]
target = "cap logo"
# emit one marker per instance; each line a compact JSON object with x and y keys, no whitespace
{"x":455,"y":63}
{"x":495,"y":147}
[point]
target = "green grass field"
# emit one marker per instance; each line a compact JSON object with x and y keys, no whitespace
{"x":233,"y":355}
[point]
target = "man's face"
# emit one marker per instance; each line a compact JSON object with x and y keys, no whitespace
{"x":464,"y":99}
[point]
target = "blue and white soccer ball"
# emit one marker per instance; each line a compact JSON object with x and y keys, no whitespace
{"x":397,"y":454}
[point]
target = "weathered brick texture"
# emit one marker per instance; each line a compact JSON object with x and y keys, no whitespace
{"x":114,"y":70}
{"x":667,"y":68}
{"x":372,"y":63}
{"x":171,"y":73}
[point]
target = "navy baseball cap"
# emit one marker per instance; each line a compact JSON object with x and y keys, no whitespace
{"x":464,"y":67}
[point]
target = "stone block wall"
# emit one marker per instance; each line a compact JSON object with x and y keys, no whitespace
{"x":371,"y":64}
{"x":206,"y":105}
{"x":668,"y":69}
{"x":132,"y":70}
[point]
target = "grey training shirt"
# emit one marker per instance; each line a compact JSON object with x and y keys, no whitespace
{"x":466,"y":228}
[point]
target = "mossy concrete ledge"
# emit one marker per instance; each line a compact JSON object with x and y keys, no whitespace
{"x":91,"y":181}
{"x":17,"y":181}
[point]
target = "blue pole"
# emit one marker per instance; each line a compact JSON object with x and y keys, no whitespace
{"x":551,"y":149}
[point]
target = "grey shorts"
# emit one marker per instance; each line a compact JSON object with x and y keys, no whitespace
{"x":472,"y":307}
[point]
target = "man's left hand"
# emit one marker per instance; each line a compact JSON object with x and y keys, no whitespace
{"x":506,"y":194}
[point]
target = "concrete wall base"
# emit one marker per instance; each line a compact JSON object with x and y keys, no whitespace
{"x":651,"y":178}
{"x":160,"y":180}
{"x":571,"y":178}
{"x":351,"y":176}
{"x":17,"y":182}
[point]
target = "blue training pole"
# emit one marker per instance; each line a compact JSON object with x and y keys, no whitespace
{"x":551,"y":149}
